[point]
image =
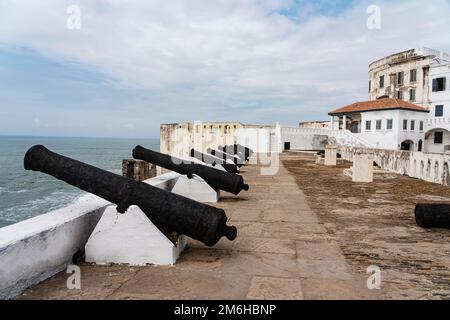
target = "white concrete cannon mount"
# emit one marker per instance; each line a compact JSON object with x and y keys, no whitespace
{"x":131,"y":238}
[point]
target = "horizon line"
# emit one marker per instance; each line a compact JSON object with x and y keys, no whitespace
{"x":78,"y":137}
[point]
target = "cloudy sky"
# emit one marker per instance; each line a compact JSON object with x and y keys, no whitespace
{"x":135,"y":64}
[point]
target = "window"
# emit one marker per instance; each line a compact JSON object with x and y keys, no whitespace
{"x":400,"y":77}
{"x":368,"y":125}
{"x":405,"y":124}
{"x":438,"y":84}
{"x":413,"y":125}
{"x":413,"y":75}
{"x":438,"y":137}
{"x":389,"y":124}
{"x":378,"y":124}
{"x":370,"y":85}
{"x":421,"y":126}
{"x":439,"y":111}
{"x":400,"y":95}
{"x":412,"y":95}
{"x":382,"y":82}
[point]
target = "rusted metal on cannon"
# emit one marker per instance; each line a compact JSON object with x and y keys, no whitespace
{"x":176,"y":213}
{"x":225,"y":156}
{"x":209,"y":159}
{"x":217,"y":179}
{"x":433,"y":215}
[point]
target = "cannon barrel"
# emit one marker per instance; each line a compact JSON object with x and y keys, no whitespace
{"x":433,"y":215}
{"x":246,"y":152}
{"x":233,"y":151}
{"x":209,"y":159}
{"x":217,"y":179}
{"x":225,"y":156}
{"x":173,"y":212}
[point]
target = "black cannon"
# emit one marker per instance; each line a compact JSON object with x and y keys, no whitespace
{"x":171,"y":211}
{"x":239,"y":149}
{"x":433,"y":215}
{"x":217,"y":179}
{"x":233,"y":150}
{"x":225,"y":156}
{"x":209,"y":159}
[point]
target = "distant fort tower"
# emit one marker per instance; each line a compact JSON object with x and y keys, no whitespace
{"x":177,"y":139}
{"x":404,"y":76}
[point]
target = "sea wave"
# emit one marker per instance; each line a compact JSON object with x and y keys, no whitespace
{"x":2,"y":190}
{"x":54,"y":201}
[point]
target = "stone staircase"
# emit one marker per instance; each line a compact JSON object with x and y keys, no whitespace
{"x":342,"y":137}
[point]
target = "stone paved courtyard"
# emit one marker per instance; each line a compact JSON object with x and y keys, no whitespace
{"x":285,"y":249}
{"x":374,"y":224}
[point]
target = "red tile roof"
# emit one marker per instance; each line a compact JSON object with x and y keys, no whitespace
{"x":376,"y":105}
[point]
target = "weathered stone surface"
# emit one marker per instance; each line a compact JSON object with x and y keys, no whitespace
{"x":97,"y":282}
{"x":252,"y":263}
{"x":267,"y":245}
{"x":373,"y":224}
{"x":325,"y":250}
{"x":275,"y":289}
{"x":324,"y":269}
{"x":331,"y":289}
{"x":246,"y":215}
{"x":295,"y":231}
{"x":170,"y":283}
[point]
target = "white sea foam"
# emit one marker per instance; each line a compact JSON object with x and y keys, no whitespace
{"x":14,"y":191}
{"x":55,"y":200}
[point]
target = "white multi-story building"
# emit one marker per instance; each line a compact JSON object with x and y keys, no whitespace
{"x":404,"y":75}
{"x":408,"y":107}
{"x":437,"y":126}
{"x":385,"y":123}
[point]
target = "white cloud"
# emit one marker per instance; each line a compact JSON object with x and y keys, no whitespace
{"x":204,"y":56}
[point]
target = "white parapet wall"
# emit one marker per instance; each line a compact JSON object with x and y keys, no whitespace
{"x":38,"y":248}
{"x":431,"y":167}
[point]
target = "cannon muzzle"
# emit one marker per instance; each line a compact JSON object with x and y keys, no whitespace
{"x":219,"y":180}
{"x":171,"y":211}
{"x":432,"y":215}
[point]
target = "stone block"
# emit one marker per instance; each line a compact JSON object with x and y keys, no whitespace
{"x":138,"y":170}
{"x":330,"y":155}
{"x":362,"y":167}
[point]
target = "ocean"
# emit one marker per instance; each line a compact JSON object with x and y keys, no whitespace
{"x":25,"y":194}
